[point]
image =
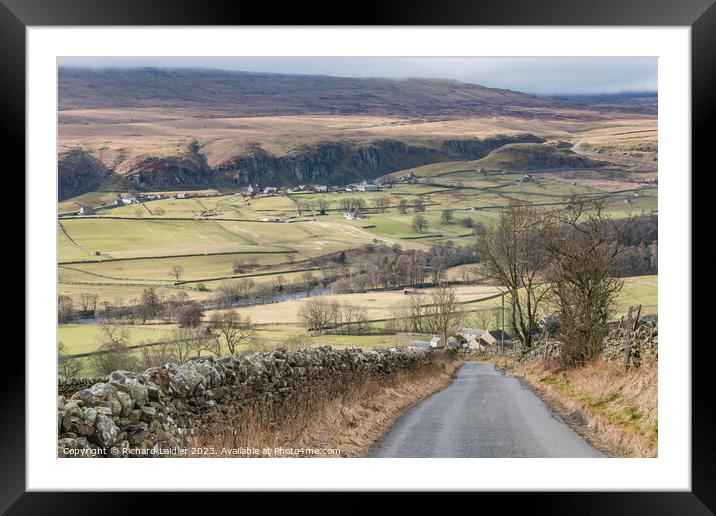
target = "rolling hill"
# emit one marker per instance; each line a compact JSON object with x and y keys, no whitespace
{"x":157,"y":129}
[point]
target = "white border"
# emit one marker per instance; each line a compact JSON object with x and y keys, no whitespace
{"x":670,"y":471}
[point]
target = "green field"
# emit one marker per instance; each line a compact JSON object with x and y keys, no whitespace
{"x":84,"y":338}
{"x":121,"y":251}
{"x":639,"y":290}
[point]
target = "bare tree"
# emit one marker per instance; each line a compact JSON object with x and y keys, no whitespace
{"x":352,"y":204}
{"x":228,"y":291}
{"x":183,"y":347}
{"x":318,"y":315}
{"x":487,"y":319}
{"x":417,"y":312}
{"x":447,"y":216}
{"x":176,"y":271}
{"x":585,"y":247}
{"x":67,"y":367}
{"x":443,"y":312}
{"x":234,"y":330}
{"x":65,"y":308}
{"x":88,"y":302}
{"x":403,"y":206}
{"x":113,"y":353}
{"x":512,"y":253}
{"x":309,"y":279}
{"x":419,"y":205}
{"x":206,"y":340}
{"x":279,"y":283}
{"x":353,"y":318}
{"x":190,"y":315}
{"x":419,"y":224}
{"x":158,"y":355}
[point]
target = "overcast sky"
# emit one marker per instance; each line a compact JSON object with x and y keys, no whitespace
{"x":538,"y":75}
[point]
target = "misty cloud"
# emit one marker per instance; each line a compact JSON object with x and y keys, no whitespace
{"x":537,"y":75}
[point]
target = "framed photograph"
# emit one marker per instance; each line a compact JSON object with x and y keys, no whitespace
{"x":417,"y":252}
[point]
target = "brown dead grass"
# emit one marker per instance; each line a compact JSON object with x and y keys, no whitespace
{"x":348,"y":426}
{"x":615,"y":409}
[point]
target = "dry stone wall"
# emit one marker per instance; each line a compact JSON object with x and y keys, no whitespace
{"x":642,"y":345}
{"x":157,"y":411}
{"x":68,"y":386}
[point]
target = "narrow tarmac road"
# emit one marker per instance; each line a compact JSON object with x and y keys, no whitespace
{"x":483,"y":413}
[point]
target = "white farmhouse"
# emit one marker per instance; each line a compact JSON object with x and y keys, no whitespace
{"x":437,"y":342}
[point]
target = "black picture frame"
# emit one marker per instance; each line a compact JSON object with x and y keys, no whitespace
{"x":700,"y":15}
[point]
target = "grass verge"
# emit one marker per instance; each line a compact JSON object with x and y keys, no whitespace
{"x":348,"y":426}
{"x":615,"y":409}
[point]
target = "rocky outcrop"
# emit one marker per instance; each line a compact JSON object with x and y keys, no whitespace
{"x":151,"y":173}
{"x":329,"y":162}
{"x":476,"y":148}
{"x":79,"y":172}
{"x":157,"y":411}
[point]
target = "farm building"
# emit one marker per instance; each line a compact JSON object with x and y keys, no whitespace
{"x":367,"y":188}
{"x":474,"y":338}
{"x":320,"y":188}
{"x":270,"y":190}
{"x":437,"y":342}
{"x":418,"y":344}
{"x":409,"y":290}
{"x":252,"y":190}
{"x":86,"y":210}
{"x":527,"y":177}
{"x":182,"y":195}
{"x":352,"y":216}
{"x":481,"y":340}
{"x":502,"y":336}
{"x":453,"y":343}
{"x":272,"y":219}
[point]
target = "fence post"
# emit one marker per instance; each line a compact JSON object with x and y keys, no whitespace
{"x":627,"y":345}
{"x":638,"y":314}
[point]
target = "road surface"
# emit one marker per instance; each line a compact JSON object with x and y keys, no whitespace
{"x":483,"y":413}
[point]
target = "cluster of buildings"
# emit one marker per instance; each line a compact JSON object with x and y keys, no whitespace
{"x":409,"y":177}
{"x":436,"y":342}
{"x":136,"y":199}
{"x":255,"y":189}
{"x":473,"y":339}
{"x":363,"y":186}
{"x":125,"y":201}
{"x":524,"y":179}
